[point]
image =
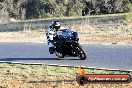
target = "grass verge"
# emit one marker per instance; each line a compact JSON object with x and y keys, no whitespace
{"x":44,"y":76}
{"x":73,"y":18}
{"x":98,"y":32}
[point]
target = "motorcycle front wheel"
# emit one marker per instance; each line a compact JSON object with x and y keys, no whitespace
{"x":80,"y":53}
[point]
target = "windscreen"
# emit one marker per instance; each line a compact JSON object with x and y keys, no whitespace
{"x":67,"y":33}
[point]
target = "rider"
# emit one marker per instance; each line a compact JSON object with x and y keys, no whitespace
{"x":50,"y":35}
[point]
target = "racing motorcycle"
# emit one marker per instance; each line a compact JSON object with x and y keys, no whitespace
{"x":67,"y":44}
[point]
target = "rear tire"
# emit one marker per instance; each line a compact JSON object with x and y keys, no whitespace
{"x":60,"y":55}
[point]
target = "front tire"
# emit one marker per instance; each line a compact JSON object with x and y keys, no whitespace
{"x":80,"y":53}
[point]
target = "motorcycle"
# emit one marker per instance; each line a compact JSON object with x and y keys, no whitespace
{"x":67,"y":44}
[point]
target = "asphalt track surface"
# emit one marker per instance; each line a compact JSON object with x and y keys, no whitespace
{"x":98,"y":56}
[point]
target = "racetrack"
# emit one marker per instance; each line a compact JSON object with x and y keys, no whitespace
{"x":98,"y":56}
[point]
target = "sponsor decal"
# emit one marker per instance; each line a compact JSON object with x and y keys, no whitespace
{"x":83,"y":78}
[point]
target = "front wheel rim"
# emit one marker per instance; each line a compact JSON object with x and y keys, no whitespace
{"x":81,"y":54}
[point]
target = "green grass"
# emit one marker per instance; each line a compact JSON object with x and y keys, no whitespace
{"x":128,"y":17}
{"x":52,"y":70}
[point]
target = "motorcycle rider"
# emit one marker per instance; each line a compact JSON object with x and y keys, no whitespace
{"x":56,"y":32}
{"x":52,"y":32}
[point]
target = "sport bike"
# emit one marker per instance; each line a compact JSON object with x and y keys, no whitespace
{"x":66,"y":43}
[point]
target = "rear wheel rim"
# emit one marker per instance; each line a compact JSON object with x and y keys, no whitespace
{"x":60,"y":55}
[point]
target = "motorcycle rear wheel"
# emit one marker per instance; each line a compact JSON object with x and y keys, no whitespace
{"x":60,"y":55}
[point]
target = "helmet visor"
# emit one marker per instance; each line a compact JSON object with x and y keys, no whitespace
{"x":57,"y":27}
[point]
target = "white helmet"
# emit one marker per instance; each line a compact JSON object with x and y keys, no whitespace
{"x":56,"y":24}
